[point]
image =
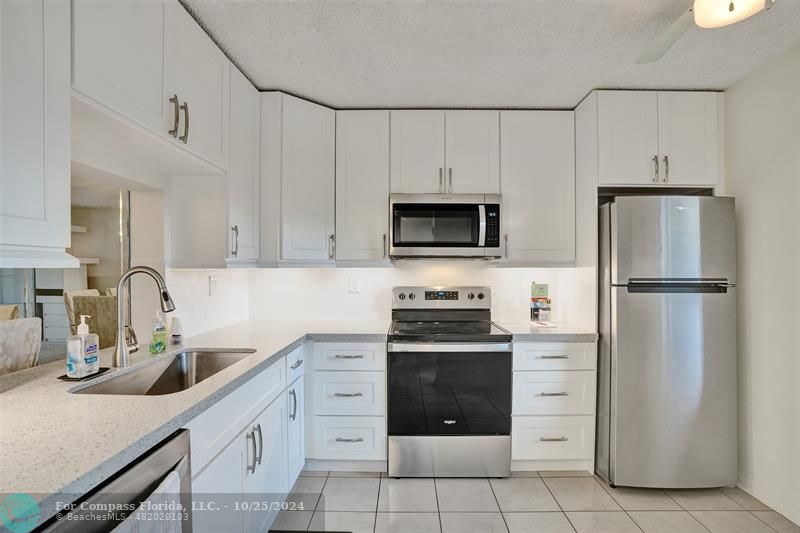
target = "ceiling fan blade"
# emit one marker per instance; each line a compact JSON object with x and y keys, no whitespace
{"x":667,"y":38}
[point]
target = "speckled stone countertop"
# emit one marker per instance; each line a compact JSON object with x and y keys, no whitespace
{"x":528,"y":332}
{"x":56,"y":445}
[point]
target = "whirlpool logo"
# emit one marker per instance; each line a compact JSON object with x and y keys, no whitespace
{"x":19,"y":513}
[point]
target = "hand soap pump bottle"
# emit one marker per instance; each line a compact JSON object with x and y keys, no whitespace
{"x":158,"y":340}
{"x":82,"y":352}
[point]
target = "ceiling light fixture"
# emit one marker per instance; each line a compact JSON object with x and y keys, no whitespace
{"x":719,"y":13}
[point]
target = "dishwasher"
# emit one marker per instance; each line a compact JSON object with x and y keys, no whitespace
{"x":130,"y":487}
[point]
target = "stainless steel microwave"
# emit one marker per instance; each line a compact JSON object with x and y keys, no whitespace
{"x":445,"y":225}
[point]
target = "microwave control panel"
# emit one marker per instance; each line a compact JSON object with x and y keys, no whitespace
{"x":492,"y":225}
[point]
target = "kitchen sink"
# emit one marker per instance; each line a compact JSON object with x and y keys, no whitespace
{"x":171,"y":374}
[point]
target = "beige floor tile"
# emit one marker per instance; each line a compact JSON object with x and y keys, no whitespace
{"x":314,"y":473}
{"x":305,"y":493}
{"x":565,"y":473}
{"x":744,"y":499}
{"x":473,"y":523}
{"x":354,"y":474}
{"x":581,"y":494}
{"x":465,"y":495}
{"x":350,"y":494}
{"x":407,"y":523}
{"x":603,"y":522}
{"x":703,"y":500}
{"x":731,"y":522}
{"x":777,"y":521}
{"x":351,"y":522}
{"x":407,"y":495}
{"x":292,"y":520}
{"x":525,"y":473}
{"x":538,"y":523}
{"x":634,"y":499}
{"x":523,"y":494}
{"x":667,"y":522}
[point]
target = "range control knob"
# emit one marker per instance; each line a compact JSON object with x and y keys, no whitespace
{"x":411,"y":296}
{"x":471,"y":296}
{"x":480,"y":296}
{"x":402,"y":296}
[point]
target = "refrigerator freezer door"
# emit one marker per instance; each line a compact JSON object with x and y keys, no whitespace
{"x":673,"y":389}
{"x":673,"y":237}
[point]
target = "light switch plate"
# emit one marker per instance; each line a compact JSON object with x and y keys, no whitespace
{"x":355,"y":284}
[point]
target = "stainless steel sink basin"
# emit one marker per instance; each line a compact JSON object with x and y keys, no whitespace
{"x":172,"y":374}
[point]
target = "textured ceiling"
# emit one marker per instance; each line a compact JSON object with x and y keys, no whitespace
{"x":482,"y":53}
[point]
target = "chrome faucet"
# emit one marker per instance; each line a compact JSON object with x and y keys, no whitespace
{"x":122,"y":350}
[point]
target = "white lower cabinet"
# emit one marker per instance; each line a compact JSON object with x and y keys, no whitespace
{"x":221,"y":481}
{"x":351,"y":438}
{"x":556,"y":438}
{"x":349,"y":393}
{"x":554,"y":393}
{"x":296,"y":404}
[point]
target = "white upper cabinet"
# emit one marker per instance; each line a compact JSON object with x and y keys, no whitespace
{"x":472,"y":152}
{"x":307,"y":181}
{"x":417,"y":152}
{"x":688,"y":137}
{"x":201,"y":82}
{"x":243,"y":171}
{"x":362,"y":185}
{"x":627,"y":137}
{"x":35,"y":134}
{"x":658,"y":138}
{"x":128,"y":77}
{"x":538,"y":173}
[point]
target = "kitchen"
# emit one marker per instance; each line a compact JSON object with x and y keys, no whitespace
{"x":424,"y":266}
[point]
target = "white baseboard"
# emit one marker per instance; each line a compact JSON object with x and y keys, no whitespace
{"x":785,"y":506}
{"x":586,"y":465}
{"x":346,"y":466}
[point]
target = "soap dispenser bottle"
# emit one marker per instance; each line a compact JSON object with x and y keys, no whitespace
{"x":82,"y":352}
{"x":158,"y":340}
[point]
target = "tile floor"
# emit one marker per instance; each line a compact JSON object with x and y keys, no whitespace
{"x":545,"y":502}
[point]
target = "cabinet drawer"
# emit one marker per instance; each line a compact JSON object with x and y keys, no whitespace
{"x":358,"y":438}
{"x":349,"y":393}
{"x":215,"y":427}
{"x":555,"y":356}
{"x":54,"y":309}
{"x":350,"y":356}
{"x":554,"y":393}
{"x":295,"y":365}
{"x":552,"y":437}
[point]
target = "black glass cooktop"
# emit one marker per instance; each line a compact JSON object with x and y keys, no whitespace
{"x":448,"y":331}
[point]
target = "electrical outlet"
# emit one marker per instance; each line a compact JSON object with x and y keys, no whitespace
{"x":212,"y":285}
{"x":355,"y":284}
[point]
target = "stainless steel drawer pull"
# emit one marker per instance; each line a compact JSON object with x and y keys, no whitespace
{"x":293,"y":394}
{"x":565,"y":356}
{"x":553,"y":439}
{"x":554,"y":394}
{"x":260,"y":444}
{"x":297,"y":364}
{"x":235,"y":230}
{"x":177,"y":117}
{"x":345,"y":356}
{"x":252,"y":438}
{"x":385,"y":250}
{"x":666,"y":169}
{"x":342,"y":439}
{"x":441,"y":179}
{"x":348,"y":394}
{"x":450,"y":178}
{"x":656,"y":174}
{"x":185,"y":137}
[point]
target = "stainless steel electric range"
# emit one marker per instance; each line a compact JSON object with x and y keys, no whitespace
{"x":449,"y":385}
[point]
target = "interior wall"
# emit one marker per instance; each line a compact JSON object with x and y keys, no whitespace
{"x":147,"y":248}
{"x":102,"y":241}
{"x":325,"y":293}
{"x":763,"y":173}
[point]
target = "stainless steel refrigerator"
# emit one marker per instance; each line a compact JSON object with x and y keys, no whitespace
{"x":667,"y":382}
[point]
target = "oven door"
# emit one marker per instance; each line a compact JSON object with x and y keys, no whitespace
{"x":449,"y":389}
{"x":434,"y":227}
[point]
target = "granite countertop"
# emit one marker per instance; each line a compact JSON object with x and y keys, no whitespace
{"x":56,"y":445}
{"x":529,"y":332}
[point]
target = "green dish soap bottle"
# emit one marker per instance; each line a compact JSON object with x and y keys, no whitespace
{"x":158,"y":339}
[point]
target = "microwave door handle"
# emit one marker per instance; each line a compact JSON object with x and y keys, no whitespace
{"x":481,"y":225}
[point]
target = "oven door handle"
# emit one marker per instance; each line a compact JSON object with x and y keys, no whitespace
{"x":481,"y":225}
{"x":449,"y":347}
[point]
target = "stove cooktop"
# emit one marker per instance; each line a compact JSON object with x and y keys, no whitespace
{"x":448,"y":331}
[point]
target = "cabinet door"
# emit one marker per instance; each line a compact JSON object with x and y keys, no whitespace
{"x":266,"y":452}
{"x":538,"y":165}
{"x":202,"y":81}
{"x":243,"y":180}
{"x":417,"y":151}
{"x":296,"y":450}
{"x":35,"y":133}
{"x":307,"y":181}
{"x":472,"y":152}
{"x":221,"y":482}
{"x":128,"y":77}
{"x":688,"y":137}
{"x":627,"y":137}
{"x":362,"y":185}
